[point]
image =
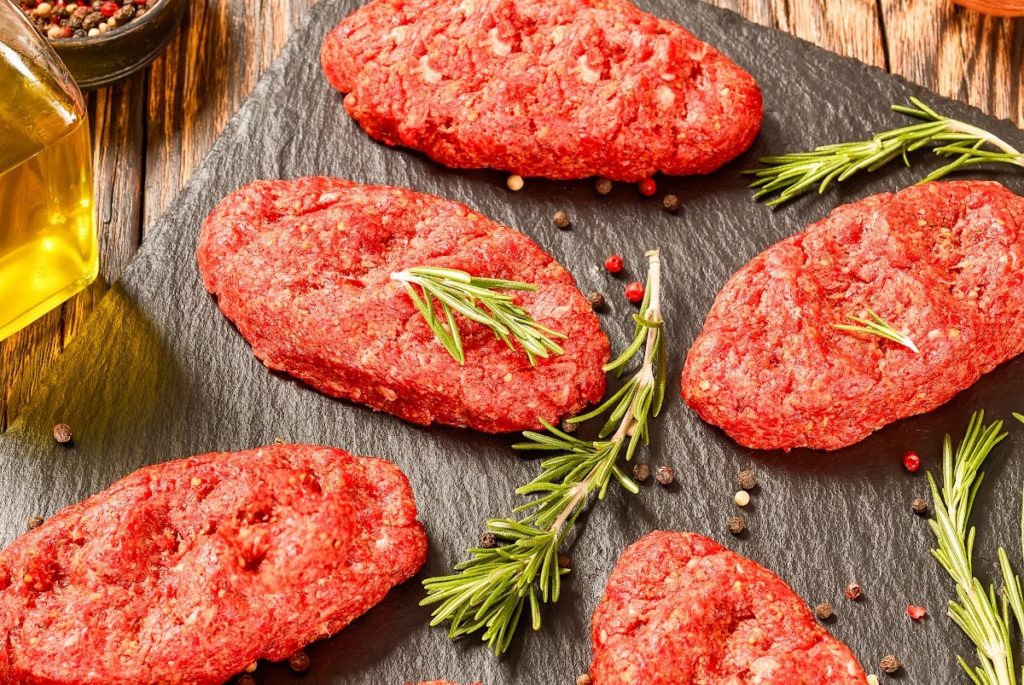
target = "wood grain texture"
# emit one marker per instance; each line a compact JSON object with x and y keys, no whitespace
{"x":151,"y":131}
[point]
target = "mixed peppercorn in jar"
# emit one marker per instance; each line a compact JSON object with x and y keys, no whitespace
{"x":58,"y":19}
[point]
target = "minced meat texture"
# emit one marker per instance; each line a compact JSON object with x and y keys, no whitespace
{"x":189,"y":571}
{"x":303,"y":268}
{"x":555,"y":88}
{"x":680,"y":609}
{"x":943,"y":263}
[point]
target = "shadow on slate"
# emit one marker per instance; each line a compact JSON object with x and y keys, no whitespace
{"x":158,"y":374}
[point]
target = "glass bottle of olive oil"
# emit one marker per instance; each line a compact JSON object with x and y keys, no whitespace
{"x":48,"y":242}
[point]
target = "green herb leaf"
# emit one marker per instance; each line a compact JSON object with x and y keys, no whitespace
{"x":876,"y":325}
{"x":977,"y":611}
{"x":486,"y":594}
{"x":476,"y":299}
{"x":785,"y":177}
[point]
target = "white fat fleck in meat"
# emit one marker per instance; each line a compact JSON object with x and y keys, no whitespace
{"x":763,"y":668}
{"x":666,"y":97}
{"x":587,"y":74}
{"x":398,"y":34}
{"x":558,"y":34}
{"x":430,"y":75}
{"x":497,"y":45}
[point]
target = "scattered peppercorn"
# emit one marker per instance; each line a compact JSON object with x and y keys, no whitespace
{"x":635,"y":292}
{"x":890,"y":664}
{"x":603,"y":186}
{"x":746,"y":479}
{"x":741,"y":498}
{"x":34,"y":522}
{"x":299,"y":662}
{"x":596,"y":300}
{"x":648,"y":187}
{"x":564,"y":561}
{"x":246,"y":679}
{"x":915,"y":612}
{"x":911,"y":462}
{"x":824,"y":611}
{"x":613,"y":264}
{"x":488,"y":541}
{"x":919,"y":506}
{"x":561,"y":220}
{"x":62,"y":433}
{"x":251,"y":668}
{"x":515,"y":183}
{"x":671,"y":204}
{"x":569,"y":427}
{"x":665,"y":475}
{"x":872,"y":679}
{"x":853,"y":592}
{"x":737,"y":524}
{"x":641,"y":471}
{"x":583,"y":679}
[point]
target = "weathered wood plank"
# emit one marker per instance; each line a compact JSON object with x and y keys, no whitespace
{"x":206,"y":73}
{"x":850,"y":28}
{"x":958,"y":53}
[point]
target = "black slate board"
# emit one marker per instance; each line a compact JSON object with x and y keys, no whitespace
{"x":159,"y":373}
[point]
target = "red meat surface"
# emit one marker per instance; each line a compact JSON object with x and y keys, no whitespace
{"x":189,"y":571}
{"x":680,"y":609}
{"x":303,"y":268}
{"x":555,"y":88}
{"x":943,"y":263}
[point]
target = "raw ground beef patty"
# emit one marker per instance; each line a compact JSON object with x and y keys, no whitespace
{"x":943,"y":263}
{"x":187,"y":572}
{"x":303,"y":268}
{"x":555,"y":88}
{"x":680,"y":609}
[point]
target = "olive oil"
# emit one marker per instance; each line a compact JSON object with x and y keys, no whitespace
{"x":48,"y":245}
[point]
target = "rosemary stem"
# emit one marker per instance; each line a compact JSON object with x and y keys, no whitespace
{"x":645,"y":377}
{"x":956,"y":126}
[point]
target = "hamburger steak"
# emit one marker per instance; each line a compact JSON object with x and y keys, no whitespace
{"x":303,"y":268}
{"x":189,"y":571}
{"x":943,"y":263}
{"x":556,"y":88}
{"x":680,"y":609}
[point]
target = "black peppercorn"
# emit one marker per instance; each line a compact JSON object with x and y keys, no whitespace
{"x":737,"y":525}
{"x":890,"y":664}
{"x":746,"y":479}
{"x":561,"y":220}
{"x":62,"y":433}
{"x":671,"y":204}
{"x":665,"y":475}
{"x":564,"y":561}
{"x":488,"y":541}
{"x":596,"y":300}
{"x":34,"y":522}
{"x":641,"y":471}
{"x":919,"y":506}
{"x":603,"y":186}
{"x":299,"y":662}
{"x":824,"y":611}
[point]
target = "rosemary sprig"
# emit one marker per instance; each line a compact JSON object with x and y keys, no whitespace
{"x":476,"y":299}
{"x":791,"y":175}
{"x":985,"y":618}
{"x":876,"y":325}
{"x":488,"y":593}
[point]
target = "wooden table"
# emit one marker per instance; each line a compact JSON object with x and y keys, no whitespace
{"x":151,"y":131}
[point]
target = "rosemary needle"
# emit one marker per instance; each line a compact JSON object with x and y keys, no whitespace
{"x":489,"y":593}
{"x":790,"y":175}
{"x":985,"y":618}
{"x":476,"y":299}
{"x":876,"y":325}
